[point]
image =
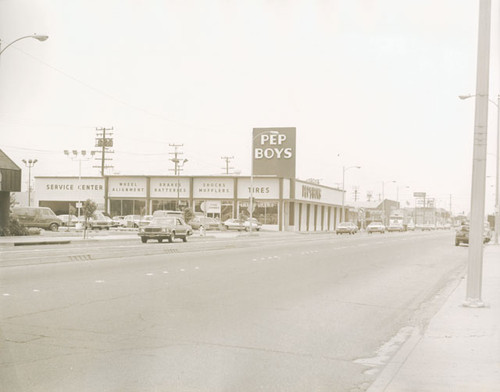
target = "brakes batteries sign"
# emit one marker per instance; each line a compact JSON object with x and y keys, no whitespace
{"x":274,"y":151}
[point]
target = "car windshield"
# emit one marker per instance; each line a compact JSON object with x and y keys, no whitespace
{"x":163,"y":221}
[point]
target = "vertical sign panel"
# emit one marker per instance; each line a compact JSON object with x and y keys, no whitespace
{"x":273,"y":151}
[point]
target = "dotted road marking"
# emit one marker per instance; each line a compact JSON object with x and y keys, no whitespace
{"x":165,"y":272}
{"x":6,"y":294}
{"x":99,"y":281}
{"x":149,"y":274}
{"x":36,"y":290}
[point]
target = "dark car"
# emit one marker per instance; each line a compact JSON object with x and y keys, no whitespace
{"x":42,"y":217}
{"x":346,"y":228}
{"x":165,"y":228}
{"x":462,"y":235}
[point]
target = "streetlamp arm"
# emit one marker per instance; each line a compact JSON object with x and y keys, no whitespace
{"x":37,"y":37}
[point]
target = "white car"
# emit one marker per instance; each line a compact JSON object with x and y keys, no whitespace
{"x":375,"y":227}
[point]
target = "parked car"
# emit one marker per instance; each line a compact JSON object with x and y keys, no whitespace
{"x":375,"y":227}
{"x":242,"y":225}
{"x":206,"y":222}
{"x":98,"y":221}
{"x":395,"y":227}
{"x":68,"y":220}
{"x":118,"y":221}
{"x":165,"y":228}
{"x":256,"y":225}
{"x":42,"y":217}
{"x":131,"y":221}
{"x":145,"y":220}
{"x":234,"y":224}
{"x":346,"y":228}
{"x":462,"y":234}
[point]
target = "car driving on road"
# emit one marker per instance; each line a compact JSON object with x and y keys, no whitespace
{"x":395,"y":227}
{"x":375,"y":227}
{"x":165,"y":228}
{"x":346,"y":228}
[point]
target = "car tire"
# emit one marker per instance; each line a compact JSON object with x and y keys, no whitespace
{"x":144,"y":239}
{"x":160,"y":240}
{"x":184,"y":239}
{"x":54,"y":227}
{"x":457,"y":243}
{"x":170,"y":238}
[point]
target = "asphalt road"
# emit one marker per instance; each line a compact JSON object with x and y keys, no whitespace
{"x":319,"y":313}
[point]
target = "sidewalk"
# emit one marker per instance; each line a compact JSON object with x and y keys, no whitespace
{"x":460,"y":349}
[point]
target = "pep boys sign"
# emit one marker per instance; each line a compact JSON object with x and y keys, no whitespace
{"x":274,"y":151}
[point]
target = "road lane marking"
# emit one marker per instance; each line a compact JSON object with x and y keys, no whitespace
{"x":165,"y":272}
{"x":149,"y":274}
{"x":6,"y":294}
{"x":99,"y":281}
{"x":36,"y":290}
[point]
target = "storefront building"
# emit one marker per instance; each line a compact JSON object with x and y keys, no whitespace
{"x":279,"y":203}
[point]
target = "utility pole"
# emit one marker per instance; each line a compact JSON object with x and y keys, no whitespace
{"x":105,"y":142}
{"x":176,"y":159}
{"x":227,"y":168}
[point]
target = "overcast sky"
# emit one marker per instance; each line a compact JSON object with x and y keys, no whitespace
{"x":373,"y":83}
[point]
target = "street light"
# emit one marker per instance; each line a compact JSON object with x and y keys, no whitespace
{"x":40,"y":38}
{"x":497,"y":191}
{"x":79,"y":156}
{"x":344,"y":169}
{"x":251,"y":175}
{"x":29,"y":164}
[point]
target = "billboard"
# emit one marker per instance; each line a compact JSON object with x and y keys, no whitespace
{"x":273,"y":151}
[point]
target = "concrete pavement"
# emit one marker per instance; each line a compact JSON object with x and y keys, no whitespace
{"x":459,"y":351}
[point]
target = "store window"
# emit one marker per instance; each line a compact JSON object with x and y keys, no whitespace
{"x":127,"y":207}
{"x":266,"y":212}
{"x":169,"y":204}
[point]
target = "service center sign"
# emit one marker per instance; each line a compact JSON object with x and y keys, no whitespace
{"x":274,"y":151}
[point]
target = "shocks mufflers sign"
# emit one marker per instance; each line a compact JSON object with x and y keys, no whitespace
{"x":274,"y":151}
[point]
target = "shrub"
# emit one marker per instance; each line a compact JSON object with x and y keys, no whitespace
{"x":14,"y":228}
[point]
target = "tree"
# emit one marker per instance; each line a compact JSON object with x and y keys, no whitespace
{"x":88,"y":209}
{"x":188,"y":214}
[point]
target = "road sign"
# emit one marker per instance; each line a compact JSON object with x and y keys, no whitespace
{"x":418,"y":194}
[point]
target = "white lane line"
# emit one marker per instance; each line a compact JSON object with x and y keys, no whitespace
{"x":149,"y":274}
{"x":196,"y":268}
{"x":255,"y":259}
{"x":182,"y":270}
{"x":165,"y":272}
{"x":36,"y":290}
{"x":99,"y":281}
{"x":6,"y":294}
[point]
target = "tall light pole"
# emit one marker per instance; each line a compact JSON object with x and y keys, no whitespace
{"x":475,"y":253}
{"x":251,"y":176}
{"x":497,"y":191}
{"x":79,"y":156}
{"x":37,"y":37}
{"x":344,"y":169}
{"x":29,"y":164}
